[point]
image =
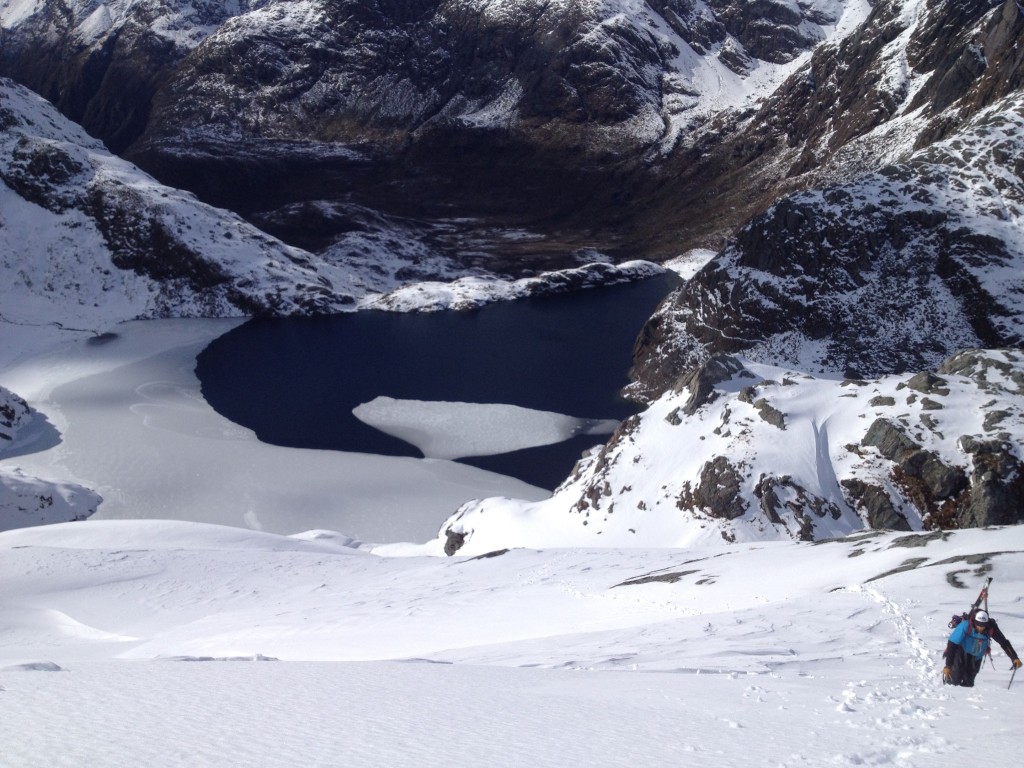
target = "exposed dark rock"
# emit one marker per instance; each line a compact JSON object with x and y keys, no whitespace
{"x":702,"y":381}
{"x":670,"y":577}
{"x":802,"y":505}
{"x":907,"y":565}
{"x":875,"y":506}
{"x":890,"y":441}
{"x":997,"y":489}
{"x":768,"y":498}
{"x":453,"y":542}
{"x":972,"y":445}
{"x":918,"y":540}
{"x":976,"y":364}
{"x":764,"y":409}
{"x":37,"y":171}
{"x":14,"y":412}
{"x":487,"y":555}
{"x":717,"y":492}
{"x":928,"y":383}
{"x":923,"y":475}
{"x":992,"y":420}
{"x":770,"y":414}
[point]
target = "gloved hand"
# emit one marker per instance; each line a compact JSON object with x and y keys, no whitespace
{"x":947,"y":675}
{"x":1016,"y":663}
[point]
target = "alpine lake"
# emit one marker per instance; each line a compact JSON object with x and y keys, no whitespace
{"x":296,"y":381}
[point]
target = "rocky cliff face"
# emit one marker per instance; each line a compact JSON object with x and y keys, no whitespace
{"x":101,"y":62}
{"x":891,"y":271}
{"x":470,"y":118}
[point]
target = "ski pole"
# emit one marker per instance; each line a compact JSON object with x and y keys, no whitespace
{"x":1011,"y":678}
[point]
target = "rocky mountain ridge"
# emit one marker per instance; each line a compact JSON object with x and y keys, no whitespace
{"x":81,"y":225}
{"x":888,"y":273}
{"x":471,"y":117}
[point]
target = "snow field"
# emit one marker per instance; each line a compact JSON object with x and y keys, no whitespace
{"x":318,"y":653}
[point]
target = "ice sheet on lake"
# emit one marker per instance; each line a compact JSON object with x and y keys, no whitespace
{"x":445,"y":430}
{"x":134,"y":427}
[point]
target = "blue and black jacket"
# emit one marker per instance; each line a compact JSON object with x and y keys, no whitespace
{"x":975,"y":642}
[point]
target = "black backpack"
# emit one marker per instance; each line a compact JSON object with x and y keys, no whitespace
{"x":965,"y":616}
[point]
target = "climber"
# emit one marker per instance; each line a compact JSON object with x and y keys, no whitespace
{"x":967,"y":646}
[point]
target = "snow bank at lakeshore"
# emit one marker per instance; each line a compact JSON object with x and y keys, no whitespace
{"x":773,"y":654}
{"x":134,"y":427}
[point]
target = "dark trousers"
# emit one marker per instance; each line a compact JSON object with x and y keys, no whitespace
{"x":964,"y":667}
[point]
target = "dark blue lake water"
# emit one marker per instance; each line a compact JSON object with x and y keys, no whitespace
{"x":295,"y":381}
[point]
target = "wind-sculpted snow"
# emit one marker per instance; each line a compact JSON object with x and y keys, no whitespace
{"x":303,"y":651}
{"x":743,"y":452}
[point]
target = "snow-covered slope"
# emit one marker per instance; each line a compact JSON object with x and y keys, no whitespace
{"x":89,"y":240}
{"x":797,"y":654}
{"x":25,"y":500}
{"x":745,"y":452}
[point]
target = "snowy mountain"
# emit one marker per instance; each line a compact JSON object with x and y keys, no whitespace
{"x":890,"y":272}
{"x":854,"y":166}
{"x":90,"y":240}
{"x":511,"y":136}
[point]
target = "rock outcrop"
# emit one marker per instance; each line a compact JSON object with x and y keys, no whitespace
{"x":854,"y":455}
{"x":27,"y":501}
